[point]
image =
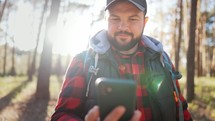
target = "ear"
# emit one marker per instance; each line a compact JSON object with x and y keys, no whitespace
{"x":146,"y":20}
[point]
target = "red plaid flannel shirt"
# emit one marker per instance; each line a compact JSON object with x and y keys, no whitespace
{"x":70,"y":98}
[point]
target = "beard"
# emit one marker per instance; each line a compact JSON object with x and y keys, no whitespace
{"x":113,"y":41}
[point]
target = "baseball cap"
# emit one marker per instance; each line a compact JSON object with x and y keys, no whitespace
{"x":141,"y":4}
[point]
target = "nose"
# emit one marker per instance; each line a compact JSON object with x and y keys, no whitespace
{"x":123,"y":26}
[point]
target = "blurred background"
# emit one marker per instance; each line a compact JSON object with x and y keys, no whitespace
{"x":38,"y":38}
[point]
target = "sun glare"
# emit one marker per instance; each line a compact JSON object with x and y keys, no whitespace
{"x":69,"y":37}
{"x":72,"y":36}
{"x":20,"y":26}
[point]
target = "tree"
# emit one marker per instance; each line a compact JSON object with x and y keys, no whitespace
{"x":6,"y":45}
{"x":33,"y":64}
{"x":13,"y":70}
{"x":178,"y":43}
{"x":191,"y":54}
{"x":3,"y":8}
{"x":201,"y":36}
{"x":42,"y":91}
{"x":58,"y":69}
{"x":5,"y":58}
{"x":174,"y":35}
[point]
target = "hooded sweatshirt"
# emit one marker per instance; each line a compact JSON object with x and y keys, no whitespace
{"x":100,"y":45}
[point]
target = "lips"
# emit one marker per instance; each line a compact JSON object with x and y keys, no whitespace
{"x":123,"y":35}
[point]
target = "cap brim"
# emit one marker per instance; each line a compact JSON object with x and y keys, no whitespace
{"x":108,"y":5}
{"x":136,"y":4}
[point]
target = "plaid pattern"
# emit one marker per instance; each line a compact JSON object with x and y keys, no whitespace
{"x":131,"y":67}
{"x":69,"y":104}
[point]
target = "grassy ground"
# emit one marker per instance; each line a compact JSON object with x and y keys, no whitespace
{"x":203,"y":107}
{"x":17,"y":102}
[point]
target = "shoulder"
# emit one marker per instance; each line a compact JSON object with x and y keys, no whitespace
{"x":82,"y":55}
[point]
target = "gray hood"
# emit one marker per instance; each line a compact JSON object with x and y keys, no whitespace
{"x":100,"y":44}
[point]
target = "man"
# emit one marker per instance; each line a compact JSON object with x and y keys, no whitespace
{"x":122,"y":51}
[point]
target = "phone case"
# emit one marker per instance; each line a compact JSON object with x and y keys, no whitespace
{"x":114,"y":92}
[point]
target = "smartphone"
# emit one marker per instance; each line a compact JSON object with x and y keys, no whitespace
{"x":114,"y":92}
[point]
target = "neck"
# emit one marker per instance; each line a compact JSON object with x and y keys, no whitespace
{"x":131,"y":51}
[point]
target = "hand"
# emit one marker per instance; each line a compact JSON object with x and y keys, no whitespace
{"x":93,"y":114}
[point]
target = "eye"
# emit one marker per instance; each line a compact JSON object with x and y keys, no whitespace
{"x":133,"y":19}
{"x":114,"y":19}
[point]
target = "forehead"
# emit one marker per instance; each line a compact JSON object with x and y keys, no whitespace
{"x":123,"y":6}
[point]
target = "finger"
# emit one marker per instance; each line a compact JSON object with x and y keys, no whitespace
{"x":93,"y":114}
{"x":115,"y":114}
{"x":136,"y":116}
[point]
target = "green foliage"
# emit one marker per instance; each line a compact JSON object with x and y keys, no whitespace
{"x":203,"y":106}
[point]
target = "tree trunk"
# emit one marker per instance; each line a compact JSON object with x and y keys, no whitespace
{"x":174,"y":37}
{"x":13,"y":70}
{"x":191,"y":54}
{"x":213,"y":64}
{"x":5,"y":58}
{"x":199,"y":39}
{"x":28,"y":62}
{"x":33,"y":64}
{"x":204,"y":37}
{"x":213,"y":58}
{"x":3,"y":8}
{"x":186,"y":22}
{"x":42,"y":91}
{"x":178,"y":45}
{"x":5,"y":46}
{"x":58,"y":70}
{"x":199,"y":54}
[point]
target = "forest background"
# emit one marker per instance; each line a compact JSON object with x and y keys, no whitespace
{"x":38,"y":38}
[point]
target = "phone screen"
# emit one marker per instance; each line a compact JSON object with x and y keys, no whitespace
{"x":114,"y":92}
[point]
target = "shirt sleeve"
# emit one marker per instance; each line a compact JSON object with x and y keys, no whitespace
{"x":69,"y":106}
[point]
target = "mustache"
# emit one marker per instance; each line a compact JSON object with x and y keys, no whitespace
{"x":123,"y":32}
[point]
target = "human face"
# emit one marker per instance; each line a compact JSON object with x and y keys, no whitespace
{"x":125,"y":25}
